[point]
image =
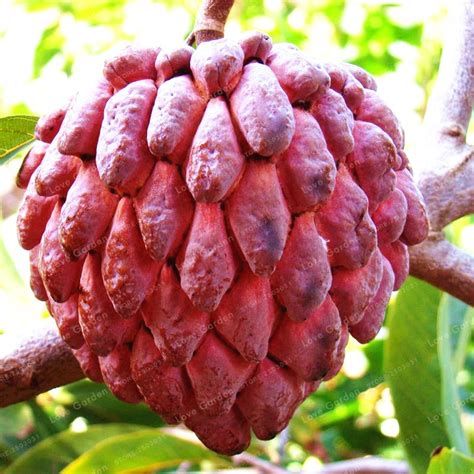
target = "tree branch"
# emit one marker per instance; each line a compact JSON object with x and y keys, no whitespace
{"x":34,"y":362}
{"x":446,"y":173}
{"x":445,"y":266}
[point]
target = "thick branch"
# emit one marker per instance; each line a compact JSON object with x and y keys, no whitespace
{"x":34,"y":362}
{"x":445,"y":266}
{"x":446,"y":172}
{"x":210,"y":21}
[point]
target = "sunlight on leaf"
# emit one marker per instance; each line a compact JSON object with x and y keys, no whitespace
{"x":16,"y":133}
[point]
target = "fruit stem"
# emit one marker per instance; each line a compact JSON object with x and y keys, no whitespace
{"x":210,"y":21}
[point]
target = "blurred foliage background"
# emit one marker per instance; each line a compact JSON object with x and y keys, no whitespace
{"x":408,"y":391}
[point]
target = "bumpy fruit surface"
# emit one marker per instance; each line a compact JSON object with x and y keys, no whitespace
{"x":208,"y":226}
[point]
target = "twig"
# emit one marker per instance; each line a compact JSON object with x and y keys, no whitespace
{"x":210,"y":21}
{"x":367,"y":465}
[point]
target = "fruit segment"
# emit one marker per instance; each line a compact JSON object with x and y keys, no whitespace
{"x":89,"y":363}
{"x":165,"y":389}
{"x":164,"y":211}
{"x":207,"y":265}
{"x":339,"y":354}
{"x":308,"y":347}
{"x":49,"y":124}
{"x":33,"y":215}
{"x":81,"y":126}
{"x":102,"y":327}
{"x":60,"y":275}
{"x":56,"y":172}
{"x":397,"y":254}
{"x":215,"y":160}
{"x":123,"y":159}
{"x":256,"y":46}
{"x":416,"y":226}
{"x":173,"y":62}
{"x":269,"y":402}
{"x":115,"y":369}
{"x":372,"y":318}
{"x":86,"y":213}
{"x":132,"y":63}
{"x":390,"y":216}
{"x":246,"y":315}
{"x":352,"y":290}
{"x":128,"y":271}
{"x":217,"y":374}
{"x":301,"y":78}
{"x":217,"y":66}
{"x":262,"y":111}
{"x":177,"y":327}
{"x":371,"y":162}
{"x":336,"y":122}
{"x":303,"y":277}
{"x":226,"y":434}
{"x":67,"y":320}
{"x":259,"y":217}
{"x":31,"y":161}
{"x":36,"y":282}
{"x":174,"y":119}
{"x":306,"y":169}
{"x":346,"y":225}
{"x":374,"y":110}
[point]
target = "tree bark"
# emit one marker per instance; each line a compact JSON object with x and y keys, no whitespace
{"x":446,"y":173}
{"x":33,"y":362}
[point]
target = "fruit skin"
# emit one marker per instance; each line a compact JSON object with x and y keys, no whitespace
{"x":306,"y":169}
{"x":303,"y":276}
{"x":81,"y":126}
{"x":262,"y":111}
{"x":49,"y":124}
{"x":346,"y":224}
{"x":217,"y":67}
{"x":308,"y":347}
{"x":128,"y":271}
{"x":31,"y":161}
{"x":123,"y":159}
{"x":133,"y":63}
{"x":372,"y":317}
{"x":60,"y":275}
{"x":215,"y":161}
{"x":416,"y":226}
{"x":33,"y":215}
{"x":174,"y":119}
{"x":86,"y":213}
{"x":300,"y":78}
{"x":259,"y":217}
{"x":208,"y":243}
{"x":207,"y":265}
{"x":57,"y":172}
{"x":336,"y":122}
{"x":164,"y":209}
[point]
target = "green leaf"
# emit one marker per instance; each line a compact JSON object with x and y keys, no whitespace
{"x":56,"y":452}
{"x":43,"y":423}
{"x":413,"y":371}
{"x":50,"y":44}
{"x":144,"y":450}
{"x":449,"y":461}
{"x":453,"y":319}
{"x":16,"y":133}
{"x":96,"y":403}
